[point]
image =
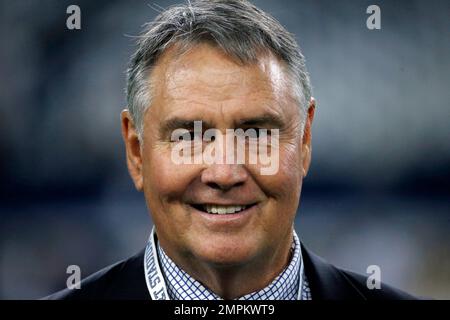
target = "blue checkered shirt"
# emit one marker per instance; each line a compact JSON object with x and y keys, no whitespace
{"x":181,"y":286}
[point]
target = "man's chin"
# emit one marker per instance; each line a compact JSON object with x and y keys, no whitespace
{"x":226,"y":254}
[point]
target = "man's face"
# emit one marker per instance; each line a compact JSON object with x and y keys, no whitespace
{"x":204,"y":84}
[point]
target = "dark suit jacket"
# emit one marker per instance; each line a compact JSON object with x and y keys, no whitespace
{"x":125,"y":280}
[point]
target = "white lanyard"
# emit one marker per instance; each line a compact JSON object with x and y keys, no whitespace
{"x":156,"y":284}
{"x":300,"y":278}
{"x":154,"y":278}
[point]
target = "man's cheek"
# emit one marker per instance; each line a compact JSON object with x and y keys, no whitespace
{"x":171,"y":181}
{"x":281,"y":181}
{"x":161,"y":175}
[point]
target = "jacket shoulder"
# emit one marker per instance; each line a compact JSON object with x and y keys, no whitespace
{"x":122,"y":280}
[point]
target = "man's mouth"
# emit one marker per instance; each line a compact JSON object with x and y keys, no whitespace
{"x":221,"y":209}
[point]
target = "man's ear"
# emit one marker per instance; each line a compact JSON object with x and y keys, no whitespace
{"x":133,"y":149}
{"x":306,"y":141}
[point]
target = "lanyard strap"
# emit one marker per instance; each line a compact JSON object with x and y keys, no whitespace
{"x":154,"y":278}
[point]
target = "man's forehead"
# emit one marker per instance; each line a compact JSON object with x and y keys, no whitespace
{"x":205,"y":77}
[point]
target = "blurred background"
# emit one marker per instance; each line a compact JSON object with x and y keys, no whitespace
{"x":378,"y":189}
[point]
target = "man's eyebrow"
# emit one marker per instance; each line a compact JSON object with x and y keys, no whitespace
{"x":170,"y":125}
{"x":266,"y":120}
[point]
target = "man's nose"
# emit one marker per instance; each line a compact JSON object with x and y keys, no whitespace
{"x":224,"y":176}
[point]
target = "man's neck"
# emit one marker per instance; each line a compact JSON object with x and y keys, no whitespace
{"x":231,"y":282}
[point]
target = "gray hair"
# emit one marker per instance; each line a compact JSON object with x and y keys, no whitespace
{"x":237,"y":27}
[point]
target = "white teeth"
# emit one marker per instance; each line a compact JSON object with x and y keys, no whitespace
{"x":217,"y":209}
{"x":230,"y":210}
{"x":221,"y":210}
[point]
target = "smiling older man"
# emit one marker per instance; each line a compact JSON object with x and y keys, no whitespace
{"x":223,"y":230}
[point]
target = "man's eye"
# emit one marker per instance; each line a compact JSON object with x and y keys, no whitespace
{"x":190,"y":136}
{"x":254,"y":133}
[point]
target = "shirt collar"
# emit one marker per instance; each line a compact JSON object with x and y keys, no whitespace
{"x":181,"y":286}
